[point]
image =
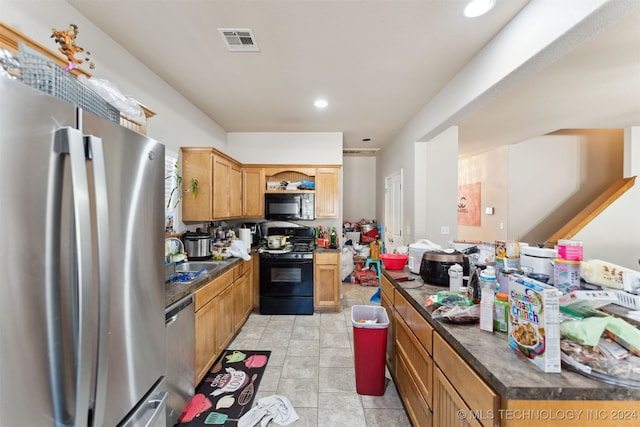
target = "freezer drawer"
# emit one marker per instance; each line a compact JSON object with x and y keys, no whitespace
{"x":180,"y":346}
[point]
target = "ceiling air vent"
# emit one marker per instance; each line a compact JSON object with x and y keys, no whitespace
{"x":239,"y":40}
{"x":360,"y":151}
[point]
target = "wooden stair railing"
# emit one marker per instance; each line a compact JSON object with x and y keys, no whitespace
{"x":592,"y":210}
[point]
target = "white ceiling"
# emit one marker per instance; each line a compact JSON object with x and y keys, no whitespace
{"x":377,"y":62}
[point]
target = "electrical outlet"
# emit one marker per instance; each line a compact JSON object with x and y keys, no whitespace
{"x":444,"y":230}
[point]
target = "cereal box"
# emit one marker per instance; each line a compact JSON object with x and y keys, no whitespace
{"x":534,"y":321}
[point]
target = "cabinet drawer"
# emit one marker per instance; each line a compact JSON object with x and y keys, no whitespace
{"x":418,"y":324}
{"x":241,"y":269}
{"x":326,"y":258}
{"x":472,"y":389}
{"x":206,"y":293}
{"x":417,"y":360}
{"x":417,"y":408}
{"x":387,"y":289}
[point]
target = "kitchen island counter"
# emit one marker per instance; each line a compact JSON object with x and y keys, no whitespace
{"x":510,"y":374}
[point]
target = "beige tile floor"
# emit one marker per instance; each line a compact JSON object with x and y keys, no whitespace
{"x":312,"y":365}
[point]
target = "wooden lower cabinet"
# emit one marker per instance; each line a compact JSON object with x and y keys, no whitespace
{"x":466,"y":388}
{"x":326,"y":281}
{"x":448,"y":406}
{"x":222,"y":306}
{"x":205,"y":339}
{"x":243,"y":298}
{"x":390,"y":352}
{"x":418,"y":361}
{"x":417,"y":409}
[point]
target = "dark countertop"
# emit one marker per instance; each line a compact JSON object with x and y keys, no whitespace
{"x":174,"y":291}
{"x":511,"y":375}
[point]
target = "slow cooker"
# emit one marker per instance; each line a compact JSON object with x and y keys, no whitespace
{"x":198,"y":245}
{"x":434,"y":268}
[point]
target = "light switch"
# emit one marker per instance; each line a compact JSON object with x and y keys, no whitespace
{"x":488,"y":211}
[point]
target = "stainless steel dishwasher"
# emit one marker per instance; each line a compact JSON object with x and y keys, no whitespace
{"x":179,"y":322}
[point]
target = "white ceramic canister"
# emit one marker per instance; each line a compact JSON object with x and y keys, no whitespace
{"x":455,"y":277}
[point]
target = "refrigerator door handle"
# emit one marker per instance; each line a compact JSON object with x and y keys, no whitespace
{"x":69,"y":141}
{"x":95,"y":152}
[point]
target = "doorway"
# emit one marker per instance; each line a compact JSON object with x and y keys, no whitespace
{"x":393,"y":211}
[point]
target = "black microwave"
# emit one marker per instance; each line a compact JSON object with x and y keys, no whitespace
{"x":285,"y":207}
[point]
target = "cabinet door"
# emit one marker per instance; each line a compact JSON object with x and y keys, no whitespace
{"x":253,"y":186}
{"x":327,"y":192}
{"x":235,"y":191}
{"x":417,"y":408}
{"x":205,"y":339}
{"x":224,"y":319}
{"x":326,"y":292}
{"x":196,"y":165}
{"x":243,"y":300}
{"x":448,"y":405}
{"x":221,"y":187}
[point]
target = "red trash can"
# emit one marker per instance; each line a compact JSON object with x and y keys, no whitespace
{"x":370,"y":325}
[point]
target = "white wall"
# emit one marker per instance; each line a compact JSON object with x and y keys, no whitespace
{"x":359,"y":191}
{"x":177,"y":122}
{"x":573,"y":168}
{"x":614,"y":235}
{"x":436,"y":189}
{"x":320,"y":148}
{"x":537,"y":185}
{"x":488,"y":169}
{"x":509,"y":59}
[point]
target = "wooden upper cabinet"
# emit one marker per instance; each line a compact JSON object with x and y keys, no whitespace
{"x":235,"y":190}
{"x":253,"y":186}
{"x":197,"y":165}
{"x":327,"y":192}
{"x":219,"y":179}
{"x":221,"y":187}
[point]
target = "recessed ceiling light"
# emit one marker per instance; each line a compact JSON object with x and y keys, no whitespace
{"x":477,"y":8}
{"x":320,"y":103}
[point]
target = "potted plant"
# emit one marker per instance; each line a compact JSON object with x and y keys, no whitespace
{"x":177,"y":191}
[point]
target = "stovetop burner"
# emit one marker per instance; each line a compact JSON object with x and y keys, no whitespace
{"x":300,"y":243}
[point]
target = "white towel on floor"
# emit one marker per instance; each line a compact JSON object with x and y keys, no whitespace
{"x":271,"y":408}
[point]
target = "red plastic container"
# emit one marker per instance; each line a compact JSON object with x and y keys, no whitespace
{"x":394,"y":261}
{"x":369,"y":347}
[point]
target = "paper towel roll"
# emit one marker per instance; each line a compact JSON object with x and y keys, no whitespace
{"x":245,"y":236}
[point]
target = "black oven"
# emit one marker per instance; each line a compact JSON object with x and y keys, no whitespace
{"x":286,"y":275}
{"x":286,"y":286}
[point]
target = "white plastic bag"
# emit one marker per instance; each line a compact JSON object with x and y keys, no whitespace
{"x":346,"y":262}
{"x":128,"y":106}
{"x":238,"y":249}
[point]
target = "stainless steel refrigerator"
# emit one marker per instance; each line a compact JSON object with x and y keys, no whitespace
{"x":82,"y":306}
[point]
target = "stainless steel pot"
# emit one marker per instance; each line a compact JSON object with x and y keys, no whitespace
{"x":276,"y":242}
{"x":364,"y":228}
{"x":198,"y":245}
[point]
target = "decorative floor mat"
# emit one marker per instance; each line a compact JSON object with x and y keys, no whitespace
{"x":228,"y":390}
